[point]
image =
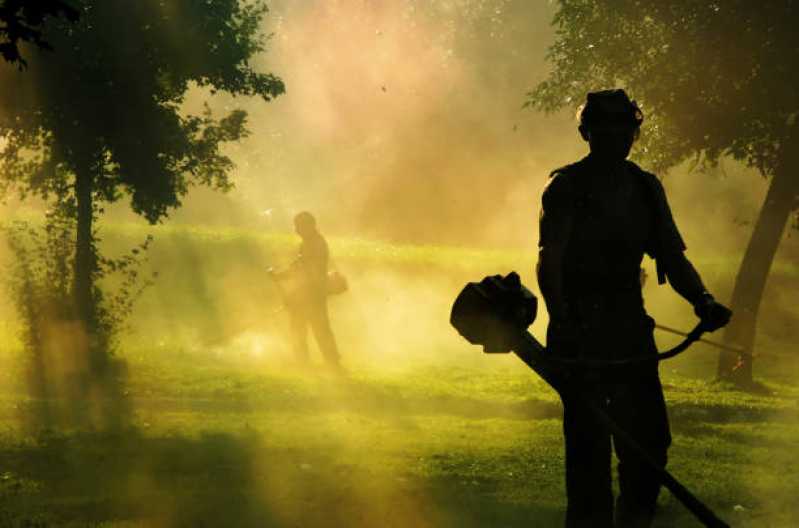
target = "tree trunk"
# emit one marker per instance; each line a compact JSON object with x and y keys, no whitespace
{"x":85,"y":263}
{"x":753,"y":272}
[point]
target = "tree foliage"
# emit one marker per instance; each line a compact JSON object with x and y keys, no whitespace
{"x":713,"y":77}
{"x":110,"y":97}
{"x":100,"y":119}
{"x":21,"y":21}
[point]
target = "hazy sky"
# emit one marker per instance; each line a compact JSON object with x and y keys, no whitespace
{"x":403,"y":120}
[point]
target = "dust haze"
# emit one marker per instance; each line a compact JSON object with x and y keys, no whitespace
{"x":402,"y":130}
{"x":403,"y":124}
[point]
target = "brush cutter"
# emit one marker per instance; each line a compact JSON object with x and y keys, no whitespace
{"x":496,"y":313}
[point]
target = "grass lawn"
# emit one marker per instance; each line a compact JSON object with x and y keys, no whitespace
{"x":432,"y":434}
{"x":222,"y":443}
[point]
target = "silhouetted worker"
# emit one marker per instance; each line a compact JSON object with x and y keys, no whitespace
{"x":599,"y":217}
{"x":306,"y":301}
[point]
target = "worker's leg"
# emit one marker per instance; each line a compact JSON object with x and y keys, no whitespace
{"x":640,"y":409}
{"x":588,"y":477}
{"x":320,"y":324}
{"x":299,"y":333}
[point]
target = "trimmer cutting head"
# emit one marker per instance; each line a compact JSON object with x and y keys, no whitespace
{"x":494,"y":312}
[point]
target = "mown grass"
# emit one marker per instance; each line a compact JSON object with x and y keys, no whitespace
{"x":221,"y":443}
{"x":383,"y":253}
{"x":222,"y":436}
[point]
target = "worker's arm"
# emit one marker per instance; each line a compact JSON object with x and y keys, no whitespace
{"x":550,"y":281}
{"x":296,"y":266}
{"x":555,"y":226}
{"x":685,"y":280}
{"x":683,"y":277}
{"x":680,"y":272}
{"x":305,"y":259}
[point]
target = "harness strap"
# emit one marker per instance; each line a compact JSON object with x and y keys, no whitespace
{"x":692,"y":337}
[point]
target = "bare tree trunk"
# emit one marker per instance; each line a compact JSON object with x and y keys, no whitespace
{"x":753,"y":272}
{"x":85,"y":263}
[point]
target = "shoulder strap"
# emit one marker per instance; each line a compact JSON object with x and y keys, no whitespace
{"x":652,"y":187}
{"x":568,"y":169}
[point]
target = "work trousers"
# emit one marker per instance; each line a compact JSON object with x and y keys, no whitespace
{"x":638,"y":407}
{"x":312,"y":312}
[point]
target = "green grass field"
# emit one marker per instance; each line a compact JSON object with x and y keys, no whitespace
{"x":424,"y":431}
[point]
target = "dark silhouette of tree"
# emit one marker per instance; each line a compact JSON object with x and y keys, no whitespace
{"x":22,"y":20}
{"x":100,"y":119}
{"x":717,"y":79}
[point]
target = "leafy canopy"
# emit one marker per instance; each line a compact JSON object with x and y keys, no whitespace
{"x":714,"y":78}
{"x":108,"y":100}
{"x":21,"y":21}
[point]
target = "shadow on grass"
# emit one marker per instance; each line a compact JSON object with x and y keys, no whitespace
{"x":718,"y":413}
{"x":79,"y":400}
{"x":477,"y":506}
{"x":93,"y":478}
{"x":215,"y":480}
{"x":356,"y":396}
{"x":369,"y":398}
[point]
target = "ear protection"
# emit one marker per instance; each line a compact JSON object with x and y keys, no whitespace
{"x":609,"y":108}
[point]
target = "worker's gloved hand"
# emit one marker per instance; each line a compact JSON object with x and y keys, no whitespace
{"x":522,"y":305}
{"x":713,"y":314}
